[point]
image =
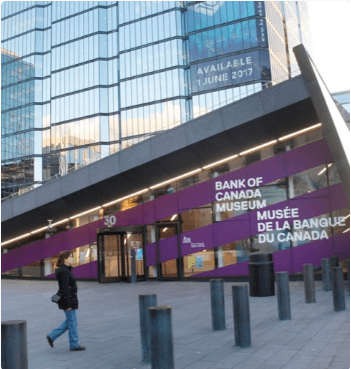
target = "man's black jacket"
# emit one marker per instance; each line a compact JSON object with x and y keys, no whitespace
{"x":67,"y":287}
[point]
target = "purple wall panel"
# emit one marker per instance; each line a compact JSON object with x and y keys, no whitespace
{"x":341,"y":245}
{"x":238,"y":174}
{"x":310,"y":205}
{"x":202,"y":235}
{"x":165,"y":207}
{"x":129,"y":217}
{"x":30,"y":254}
{"x":168,"y":248}
{"x":305,"y":157}
{"x":309,"y":208}
{"x":282,"y":261}
{"x":194,"y":196}
{"x":93,"y":230}
{"x":337,"y":197}
{"x":150,"y":251}
{"x":76,"y":237}
{"x":237,"y":228}
{"x":53,"y":245}
{"x":229,"y":231}
{"x":94,"y":269}
{"x":9,"y":260}
{"x":149,"y":212}
{"x":270,"y":169}
{"x":311,"y":253}
{"x":85,"y":270}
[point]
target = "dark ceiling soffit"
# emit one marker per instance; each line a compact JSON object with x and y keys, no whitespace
{"x":335,"y":130}
{"x":284,"y":121}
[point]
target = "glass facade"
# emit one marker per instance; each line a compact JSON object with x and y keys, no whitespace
{"x":343,"y":98}
{"x":82,"y":80}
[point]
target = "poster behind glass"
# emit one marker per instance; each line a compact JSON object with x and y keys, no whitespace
{"x":230,"y":71}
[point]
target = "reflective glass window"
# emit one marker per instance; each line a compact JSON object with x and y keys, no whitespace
{"x":198,"y":262}
{"x":308,"y":181}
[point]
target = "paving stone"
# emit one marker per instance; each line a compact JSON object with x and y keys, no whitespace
{"x":108,"y":325}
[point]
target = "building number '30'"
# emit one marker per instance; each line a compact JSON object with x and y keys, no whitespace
{"x":110,"y":220}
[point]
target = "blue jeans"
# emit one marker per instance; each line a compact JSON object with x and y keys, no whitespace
{"x":71,"y":324}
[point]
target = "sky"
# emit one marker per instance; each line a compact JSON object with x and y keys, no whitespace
{"x":330,"y":36}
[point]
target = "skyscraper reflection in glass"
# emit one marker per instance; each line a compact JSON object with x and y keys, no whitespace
{"x":83,"y":79}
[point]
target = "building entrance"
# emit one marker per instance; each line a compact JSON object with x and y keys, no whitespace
{"x":115,"y":246}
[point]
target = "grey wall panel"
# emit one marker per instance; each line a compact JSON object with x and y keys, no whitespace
{"x":104,"y":168}
{"x":75,"y":181}
{"x":178,"y":163}
{"x":168,"y":142}
{"x":146,"y":175}
{"x":136,"y":155}
{"x":277,"y":98}
{"x":203,"y":127}
{"x":114,"y":188}
{"x":6,"y":210}
{"x":49,"y":192}
{"x":242,"y":111}
{"x":24,"y":203}
{"x":218,"y":147}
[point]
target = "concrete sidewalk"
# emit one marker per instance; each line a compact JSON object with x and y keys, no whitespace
{"x":317,"y":337}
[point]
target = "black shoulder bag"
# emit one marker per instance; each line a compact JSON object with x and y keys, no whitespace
{"x":56,"y":298}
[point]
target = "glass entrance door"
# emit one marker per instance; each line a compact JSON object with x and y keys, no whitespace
{"x":114,"y":256}
{"x":168,"y":270}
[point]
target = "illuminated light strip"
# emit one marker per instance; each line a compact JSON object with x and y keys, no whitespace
{"x":220,"y":161}
{"x":85,"y":212}
{"x":176,"y":178}
{"x":346,"y":230}
{"x":300,"y":132}
{"x":258,"y":147}
{"x":165,"y":229}
{"x":60,"y":222}
{"x":323,"y":170}
{"x":15,"y":239}
{"x":125,"y":197}
{"x":39,"y":230}
{"x":173,"y":179}
{"x":174,"y":216}
{"x":345,"y":218}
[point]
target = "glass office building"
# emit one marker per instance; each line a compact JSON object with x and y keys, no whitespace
{"x":343,"y":98}
{"x":83,"y":80}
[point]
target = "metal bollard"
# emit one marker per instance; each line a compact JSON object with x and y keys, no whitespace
{"x":308,"y":277}
{"x":338,"y":289}
{"x":283,"y":296}
{"x":326,"y":275}
{"x":161,"y":339}
{"x":133,"y":266}
{"x":334,"y":261}
{"x":217,"y":304}
{"x":145,"y":301}
{"x":241,"y":311}
{"x":14,"y":344}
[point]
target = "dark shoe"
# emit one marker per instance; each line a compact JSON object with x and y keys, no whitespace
{"x":51,"y":342}
{"x":79,"y":348}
